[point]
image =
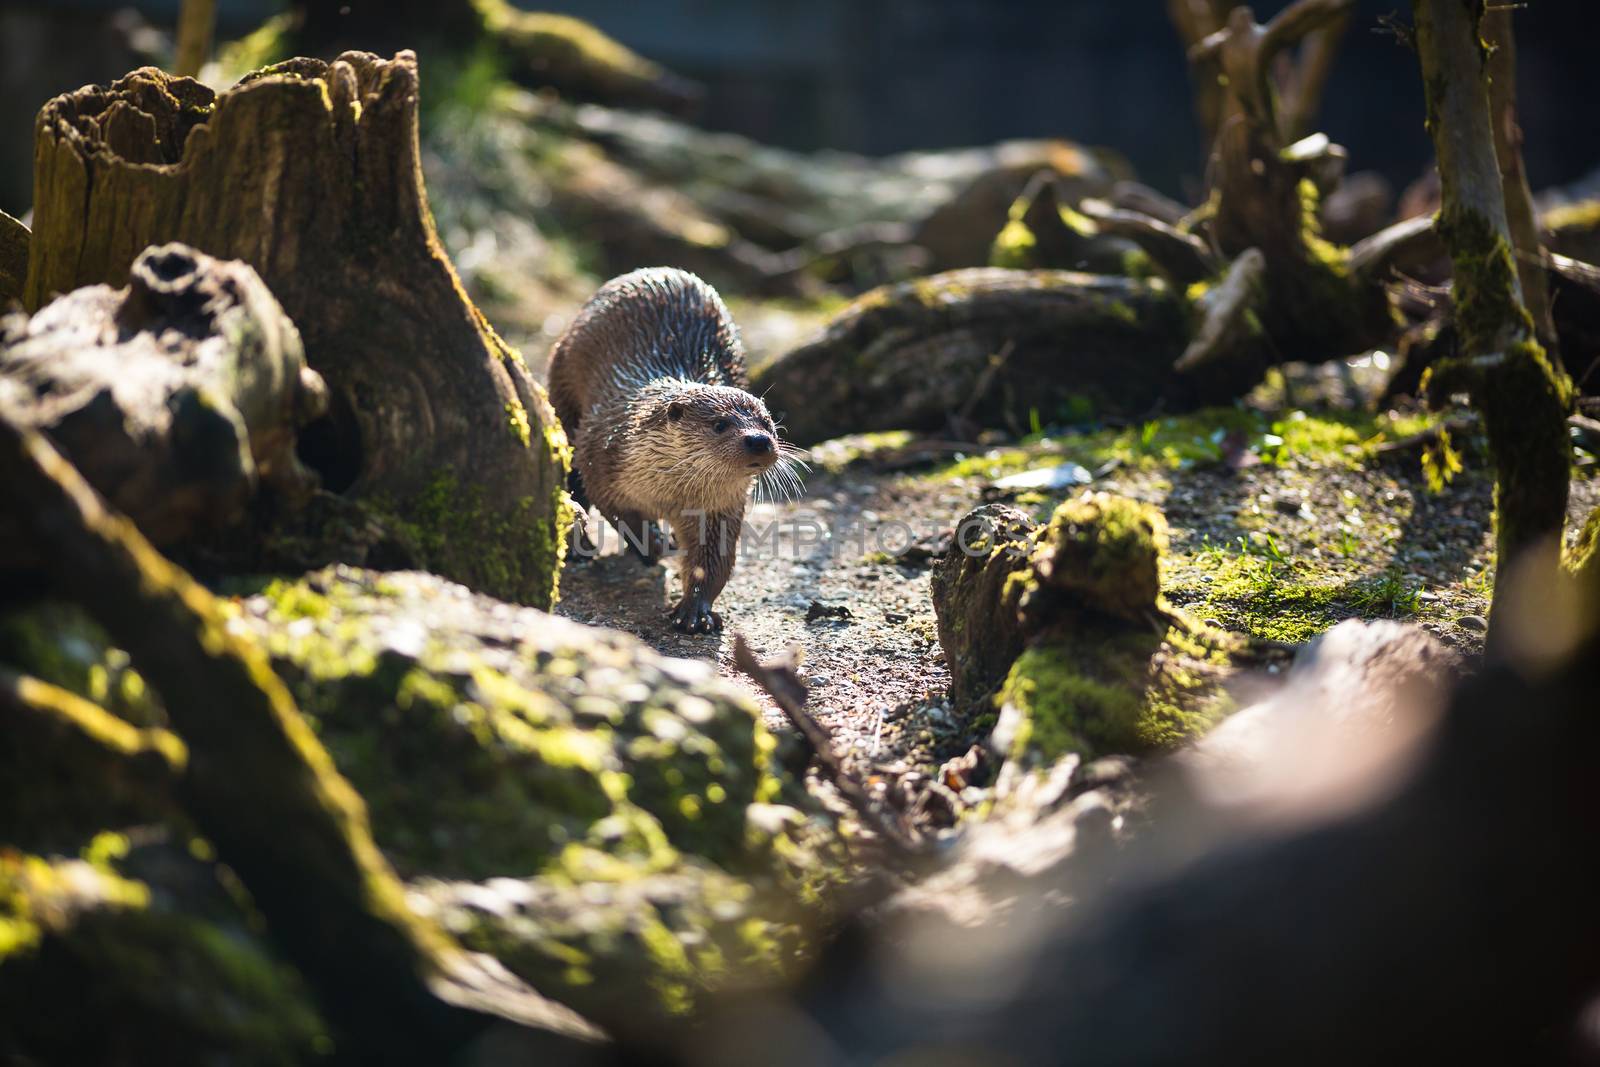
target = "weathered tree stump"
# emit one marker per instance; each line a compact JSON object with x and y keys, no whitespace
{"x":309,"y":172}
{"x":176,"y":396}
{"x":1000,"y":346}
{"x":1066,"y":621}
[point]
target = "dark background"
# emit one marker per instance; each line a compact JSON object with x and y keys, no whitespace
{"x":882,"y":76}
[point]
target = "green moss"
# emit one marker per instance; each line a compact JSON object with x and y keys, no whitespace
{"x":514,"y":553}
{"x":1523,"y":396}
{"x":262,"y":47}
{"x":1329,"y":437}
{"x":1102,"y":551}
{"x":494,"y":747}
{"x":59,"y":644}
{"x":1578,"y":215}
{"x":518,"y":418}
{"x":160,"y":985}
{"x":1094,"y":691}
{"x":843,"y":452}
{"x":1014,"y":245}
{"x":1290,"y":601}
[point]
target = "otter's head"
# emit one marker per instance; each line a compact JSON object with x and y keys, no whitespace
{"x":717,"y":440}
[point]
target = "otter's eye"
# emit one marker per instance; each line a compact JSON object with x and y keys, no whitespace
{"x":720,"y":426}
{"x":674,"y":411}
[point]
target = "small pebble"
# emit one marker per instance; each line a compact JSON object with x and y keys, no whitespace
{"x":1475,"y":623}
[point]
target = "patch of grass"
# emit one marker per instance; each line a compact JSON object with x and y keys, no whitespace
{"x":1390,"y":596}
{"x":1339,"y":438}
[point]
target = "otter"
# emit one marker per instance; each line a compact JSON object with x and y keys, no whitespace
{"x":649,"y":383}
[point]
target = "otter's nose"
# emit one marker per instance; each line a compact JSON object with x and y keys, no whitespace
{"x":757,"y":443}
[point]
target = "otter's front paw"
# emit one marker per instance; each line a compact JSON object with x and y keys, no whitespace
{"x":694,"y":616}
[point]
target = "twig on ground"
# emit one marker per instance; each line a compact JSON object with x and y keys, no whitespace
{"x":783,"y":684}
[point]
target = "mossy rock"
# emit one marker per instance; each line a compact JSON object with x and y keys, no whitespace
{"x":1070,"y":616}
{"x":97,"y":967}
{"x":499,"y":746}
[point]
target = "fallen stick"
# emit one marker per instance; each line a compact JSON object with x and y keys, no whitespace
{"x":780,"y":682}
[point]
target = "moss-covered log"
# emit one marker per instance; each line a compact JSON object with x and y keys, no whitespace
{"x":537,"y":49}
{"x":309,"y":172}
{"x":1003,"y":347}
{"x":175,"y":396}
{"x":262,"y":789}
{"x":1068,"y":619}
{"x":1523,"y":397}
{"x":13,"y":258}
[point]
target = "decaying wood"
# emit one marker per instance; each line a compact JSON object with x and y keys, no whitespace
{"x":13,"y":258}
{"x":1523,"y":398}
{"x":1180,"y":255}
{"x":1406,"y":246}
{"x":263,"y":790}
{"x":907,"y":356}
{"x":309,"y":172}
{"x":175,"y":396}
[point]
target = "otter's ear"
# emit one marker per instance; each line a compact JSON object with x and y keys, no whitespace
{"x":674,"y":411}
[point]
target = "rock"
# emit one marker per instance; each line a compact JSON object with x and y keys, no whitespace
{"x":1474,"y":623}
{"x":610,"y":823}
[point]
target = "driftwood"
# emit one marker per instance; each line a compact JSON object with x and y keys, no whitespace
{"x":907,"y":356}
{"x":309,"y":172}
{"x":175,"y":396}
{"x":263,"y":790}
{"x":1523,"y":398}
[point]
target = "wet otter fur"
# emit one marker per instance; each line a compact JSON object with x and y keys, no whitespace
{"x":649,"y":383}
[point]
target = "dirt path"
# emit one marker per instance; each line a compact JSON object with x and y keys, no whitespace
{"x":807,"y":576}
